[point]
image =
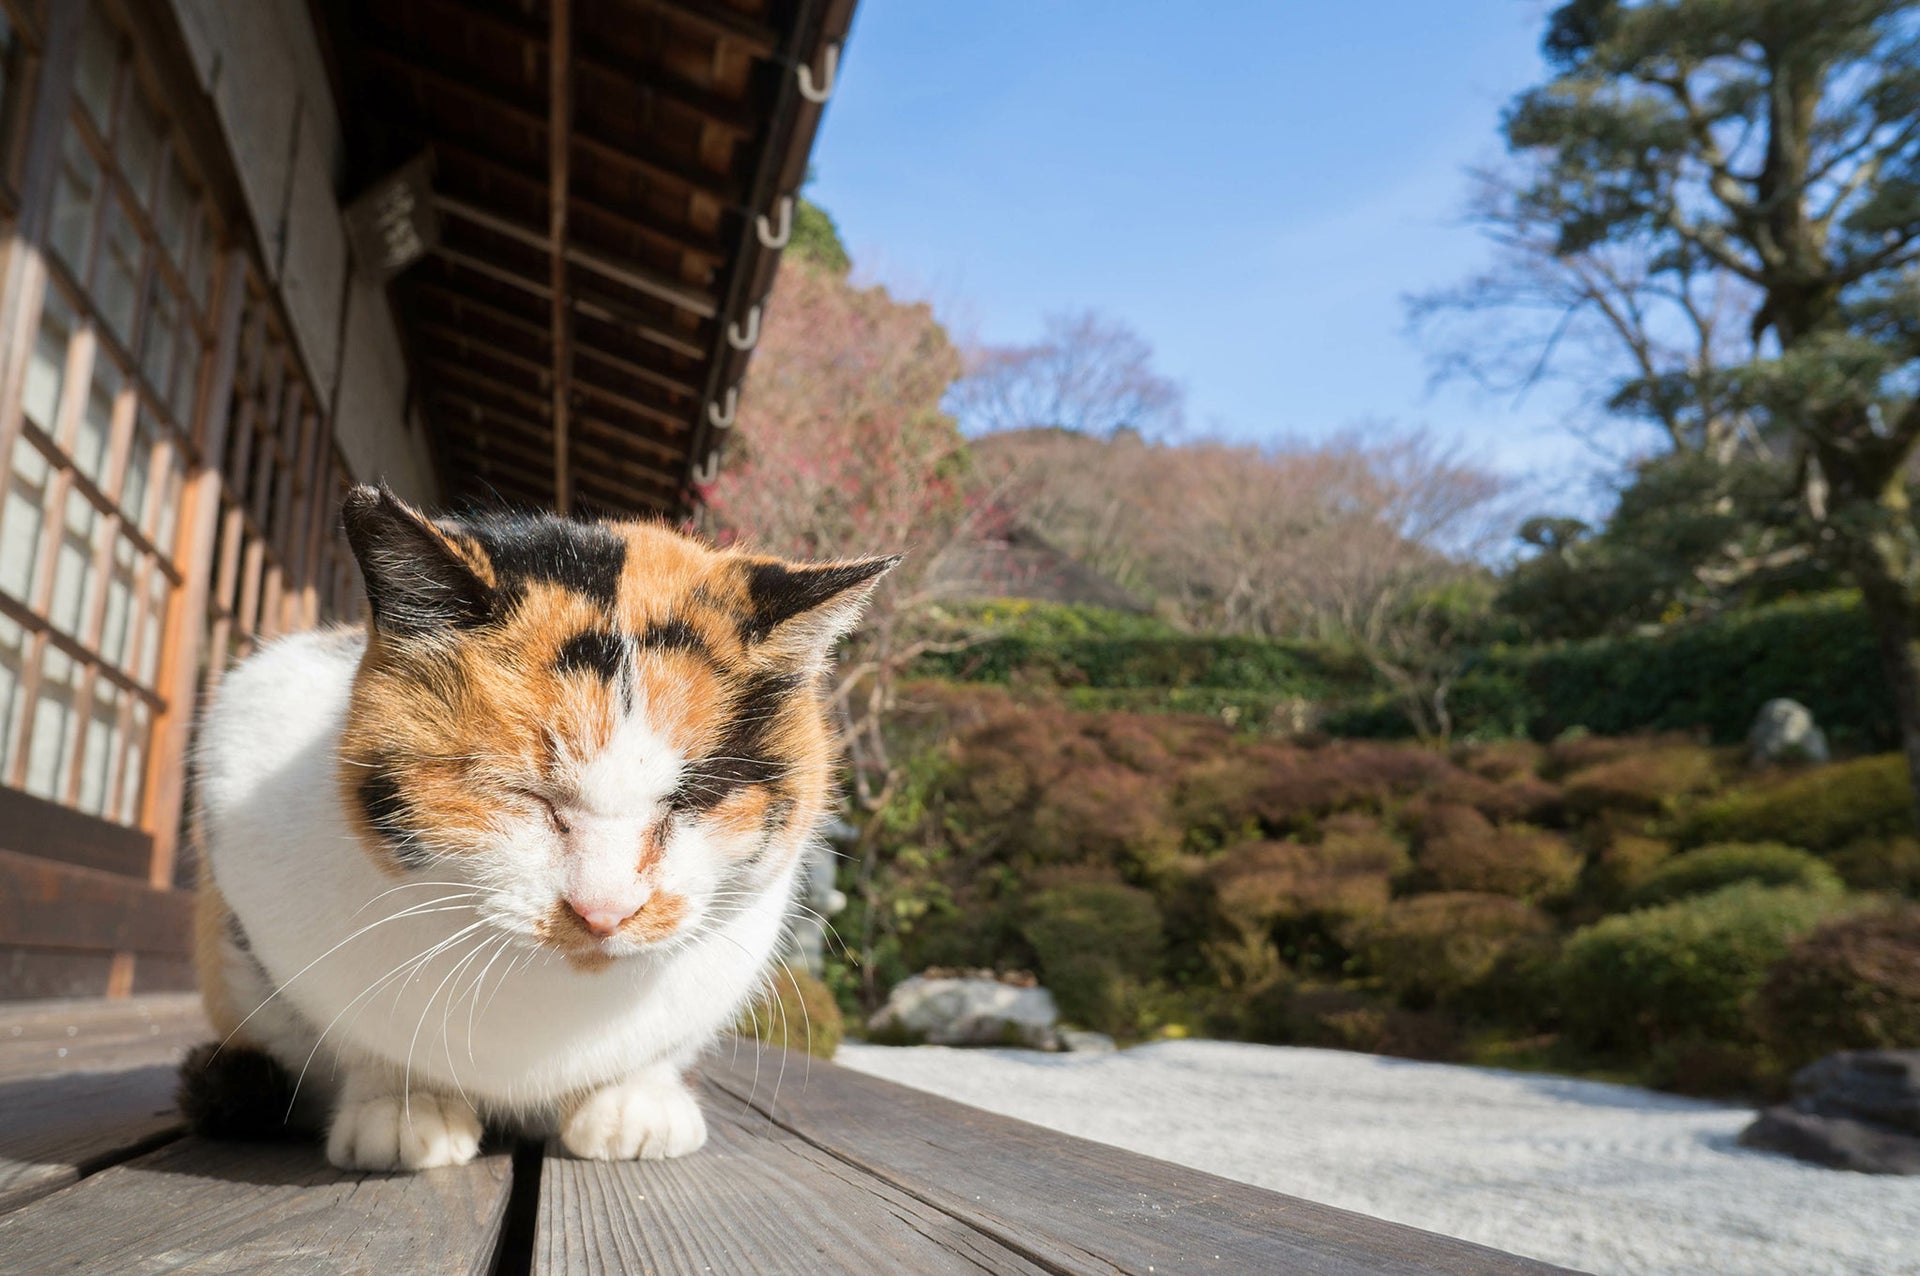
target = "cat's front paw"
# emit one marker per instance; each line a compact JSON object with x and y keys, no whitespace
{"x":385,"y":1132}
{"x":651,"y":1118}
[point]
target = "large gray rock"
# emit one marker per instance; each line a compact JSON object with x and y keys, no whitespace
{"x":1835,"y":1142}
{"x":1881,"y":1086}
{"x":1784,"y":731}
{"x":969,"y":1011}
{"x":1855,"y":1110}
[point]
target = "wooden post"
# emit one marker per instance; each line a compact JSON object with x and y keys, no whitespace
{"x":200,"y":524}
{"x":559,"y":166}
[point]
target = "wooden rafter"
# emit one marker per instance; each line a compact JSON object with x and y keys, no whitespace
{"x":607,"y":265}
{"x":463,"y":304}
{"x":601,"y":308}
{"x":559,"y":169}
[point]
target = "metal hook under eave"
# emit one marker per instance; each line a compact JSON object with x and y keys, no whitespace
{"x":749,"y":339}
{"x":724,"y":420}
{"x":825,"y":89}
{"x":707,"y":473}
{"x":764,"y":228}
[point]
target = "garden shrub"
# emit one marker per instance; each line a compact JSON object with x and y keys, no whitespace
{"x":1820,"y":809}
{"x":1851,"y":984}
{"x":1709,"y":868}
{"x":1459,"y":849}
{"x":1880,"y":864}
{"x":1348,"y":873}
{"x":1681,"y":972}
{"x":1431,"y":948}
{"x":1346,"y":1019}
{"x":1097,"y":941}
{"x":796,"y":1011}
{"x":1501,"y":760}
{"x":1626,"y":862}
{"x":1648,"y":780}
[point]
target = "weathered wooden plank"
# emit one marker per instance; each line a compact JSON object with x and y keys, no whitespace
{"x":54,"y":1130}
{"x":266,"y":1208}
{"x":34,"y":826}
{"x":49,"y":905}
{"x":42,"y":1037}
{"x":755,"y":1199}
{"x":1072,"y":1205}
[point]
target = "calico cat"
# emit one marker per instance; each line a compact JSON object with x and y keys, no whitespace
{"x":518,"y":850}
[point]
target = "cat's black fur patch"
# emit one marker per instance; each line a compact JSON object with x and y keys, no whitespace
{"x":386,"y":810}
{"x":594,"y":651}
{"x":584,"y":557}
{"x":236,"y":1093}
{"x":237,"y":934}
{"x":673,"y":635}
{"x":741,"y":757}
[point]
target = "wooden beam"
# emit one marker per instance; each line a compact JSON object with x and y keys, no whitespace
{"x":607,"y":265}
{"x":720,"y":21}
{"x":538,"y":406}
{"x":593,"y":307}
{"x":466,"y":341}
{"x":533,"y":331}
{"x":716,"y":186}
{"x":674,"y":235}
{"x":660,"y":83}
{"x":559,"y":169}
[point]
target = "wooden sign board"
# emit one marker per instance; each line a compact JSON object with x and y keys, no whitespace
{"x":394,"y":223}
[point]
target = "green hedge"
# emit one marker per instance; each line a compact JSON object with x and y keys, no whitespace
{"x":1713,"y":675}
{"x":1087,"y":648}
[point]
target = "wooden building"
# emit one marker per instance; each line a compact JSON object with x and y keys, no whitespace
{"x":486,"y":251}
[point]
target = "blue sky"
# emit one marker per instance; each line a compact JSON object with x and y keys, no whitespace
{"x":1253,"y":185}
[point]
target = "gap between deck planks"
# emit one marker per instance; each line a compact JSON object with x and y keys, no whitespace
{"x":819,"y":1170}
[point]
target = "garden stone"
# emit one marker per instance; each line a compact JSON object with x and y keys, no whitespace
{"x":1881,"y":1086}
{"x":1835,"y":1142}
{"x":969,"y":1011}
{"x":1855,"y":1110}
{"x":1784,"y":731}
{"x":1080,"y":1041}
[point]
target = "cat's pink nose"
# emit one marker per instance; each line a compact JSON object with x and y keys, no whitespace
{"x":602,"y":917}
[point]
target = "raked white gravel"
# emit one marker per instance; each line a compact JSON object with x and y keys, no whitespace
{"x":1605,"y":1178}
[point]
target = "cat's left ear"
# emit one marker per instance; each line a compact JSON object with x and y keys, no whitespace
{"x":417,"y":582}
{"x":810,"y":606}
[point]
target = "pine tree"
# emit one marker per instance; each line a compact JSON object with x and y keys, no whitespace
{"x":1776,"y":144}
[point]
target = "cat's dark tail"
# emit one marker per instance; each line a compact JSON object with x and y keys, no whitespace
{"x":237,"y":1092}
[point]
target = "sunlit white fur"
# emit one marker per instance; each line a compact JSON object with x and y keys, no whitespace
{"x":490,"y":1023}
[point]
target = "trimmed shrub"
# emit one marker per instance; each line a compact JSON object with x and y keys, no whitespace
{"x":1647,"y":780}
{"x":1501,"y":760}
{"x":1681,"y":972}
{"x":1097,"y":942}
{"x":1628,"y":860}
{"x":796,"y":1011}
{"x":1852,"y":984}
{"x":1348,"y":873}
{"x":1880,"y":864}
{"x":1461,"y":850}
{"x":1821,"y":809}
{"x":1710,"y":868}
{"x":1345,"y":1019}
{"x":1431,"y":948}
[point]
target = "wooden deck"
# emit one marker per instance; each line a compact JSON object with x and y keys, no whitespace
{"x":842,"y":1173}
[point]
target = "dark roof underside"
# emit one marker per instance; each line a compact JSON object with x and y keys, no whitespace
{"x":677,"y":125}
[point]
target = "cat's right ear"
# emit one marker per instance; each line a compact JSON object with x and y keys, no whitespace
{"x":417,"y":582}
